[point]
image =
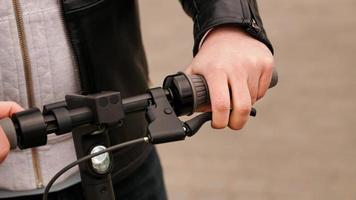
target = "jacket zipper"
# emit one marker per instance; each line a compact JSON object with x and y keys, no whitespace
{"x":29,"y":83}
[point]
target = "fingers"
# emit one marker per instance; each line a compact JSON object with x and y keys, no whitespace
{"x":7,"y":108}
{"x":4,"y":146}
{"x":253,"y":89}
{"x":241,"y":103}
{"x":219,"y":98}
{"x":265,"y":79}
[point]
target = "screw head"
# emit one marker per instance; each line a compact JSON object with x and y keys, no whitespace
{"x":168,"y":111}
{"x":100,"y":163}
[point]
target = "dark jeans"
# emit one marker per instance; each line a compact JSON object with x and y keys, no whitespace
{"x":145,"y":183}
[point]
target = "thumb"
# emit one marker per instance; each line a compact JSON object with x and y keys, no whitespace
{"x":7,"y":108}
{"x":4,"y":146}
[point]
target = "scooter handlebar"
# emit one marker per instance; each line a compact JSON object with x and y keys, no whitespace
{"x":186,"y":94}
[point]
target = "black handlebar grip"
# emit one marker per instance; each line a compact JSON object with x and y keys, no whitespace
{"x":8,"y":127}
{"x":31,"y":128}
{"x":201,"y":90}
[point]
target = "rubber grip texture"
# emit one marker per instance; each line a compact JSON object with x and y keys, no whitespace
{"x":201,"y":90}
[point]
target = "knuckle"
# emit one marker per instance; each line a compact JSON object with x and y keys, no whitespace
{"x":268,"y":63}
{"x":244,"y":109}
{"x":246,"y":63}
{"x":239,"y":71}
{"x":13,"y":104}
{"x":10,"y":104}
{"x":221,"y":106}
{"x":251,"y":61}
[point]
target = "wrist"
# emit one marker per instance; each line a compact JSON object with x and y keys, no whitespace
{"x":223,"y":29}
{"x":229,"y":36}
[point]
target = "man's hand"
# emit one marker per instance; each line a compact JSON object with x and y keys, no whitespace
{"x":237,"y":67}
{"x":7,"y":108}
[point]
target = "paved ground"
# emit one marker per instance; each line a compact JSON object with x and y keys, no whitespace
{"x":302,"y":145}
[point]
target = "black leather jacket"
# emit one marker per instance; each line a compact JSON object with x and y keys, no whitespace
{"x":106,"y":41}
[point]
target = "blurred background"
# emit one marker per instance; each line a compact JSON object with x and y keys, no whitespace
{"x":302,"y":145}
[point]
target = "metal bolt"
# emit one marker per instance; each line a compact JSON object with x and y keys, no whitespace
{"x":168,"y":111}
{"x":100,"y":163}
{"x":146,"y":139}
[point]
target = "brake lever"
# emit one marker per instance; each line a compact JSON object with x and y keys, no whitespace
{"x":193,"y":125}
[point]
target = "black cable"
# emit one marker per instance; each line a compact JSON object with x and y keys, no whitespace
{"x":85,"y":158}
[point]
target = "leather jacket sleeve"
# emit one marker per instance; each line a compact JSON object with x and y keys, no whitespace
{"x":208,"y":14}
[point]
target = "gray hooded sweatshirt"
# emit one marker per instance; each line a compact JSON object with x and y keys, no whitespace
{"x":53,"y":75}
